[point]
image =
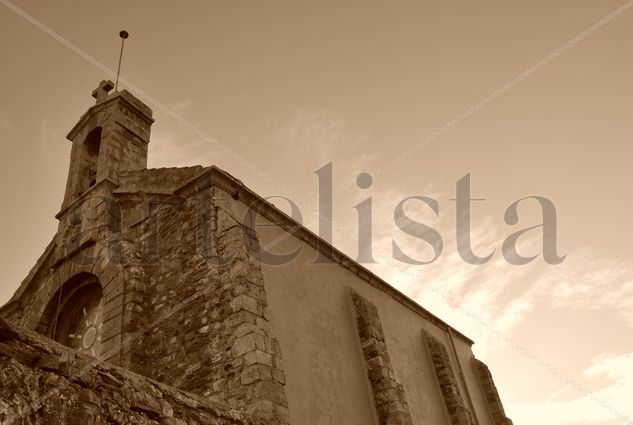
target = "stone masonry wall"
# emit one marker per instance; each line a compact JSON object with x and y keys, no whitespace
{"x":457,"y":411}
{"x":254,"y":379}
{"x":491,"y":394}
{"x":46,"y":383}
{"x":199,"y":318}
{"x":389,"y":397}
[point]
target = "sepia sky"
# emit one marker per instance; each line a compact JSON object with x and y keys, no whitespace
{"x":530,"y":98}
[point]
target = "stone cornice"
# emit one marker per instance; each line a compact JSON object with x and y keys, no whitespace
{"x":122,"y":96}
{"x":84,"y":196}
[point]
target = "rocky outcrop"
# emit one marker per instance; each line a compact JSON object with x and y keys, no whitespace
{"x":44,"y":382}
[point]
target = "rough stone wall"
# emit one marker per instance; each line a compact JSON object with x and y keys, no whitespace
{"x":254,"y":378}
{"x":198,"y":315}
{"x":389,"y":397}
{"x":123,"y":149}
{"x":184,"y":299}
{"x":457,"y":411}
{"x":492,"y":396}
{"x":156,"y":179}
{"x":46,"y":383}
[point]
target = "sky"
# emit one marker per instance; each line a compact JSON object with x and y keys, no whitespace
{"x":528,"y":98}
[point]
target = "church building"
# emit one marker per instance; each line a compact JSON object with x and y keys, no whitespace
{"x":158,"y":302}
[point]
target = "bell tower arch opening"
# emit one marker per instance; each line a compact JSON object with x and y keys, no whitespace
{"x":90,"y":159}
{"x":74,"y":314}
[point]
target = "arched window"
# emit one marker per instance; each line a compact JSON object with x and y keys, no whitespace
{"x":90,"y":159}
{"x":74,"y":315}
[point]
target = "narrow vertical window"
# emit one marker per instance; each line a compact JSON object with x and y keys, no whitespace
{"x":92,"y":146}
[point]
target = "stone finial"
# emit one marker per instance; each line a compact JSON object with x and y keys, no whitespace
{"x":101,"y":92}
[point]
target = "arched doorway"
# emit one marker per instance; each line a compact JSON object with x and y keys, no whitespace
{"x":74,"y":315}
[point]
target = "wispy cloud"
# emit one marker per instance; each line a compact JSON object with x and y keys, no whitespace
{"x":315,"y":136}
{"x":618,"y":369}
{"x":585,"y":281}
{"x":591,"y":281}
{"x":503,"y":294}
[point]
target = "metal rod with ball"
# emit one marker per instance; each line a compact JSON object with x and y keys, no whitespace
{"x":123,"y":34}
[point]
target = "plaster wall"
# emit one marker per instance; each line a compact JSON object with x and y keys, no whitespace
{"x":326,"y":381}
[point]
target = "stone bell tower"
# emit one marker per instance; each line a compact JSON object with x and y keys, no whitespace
{"x":111,"y":137}
{"x":85,"y":272}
